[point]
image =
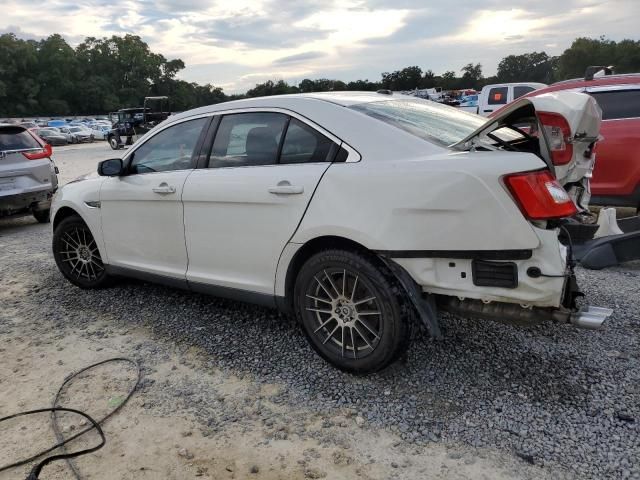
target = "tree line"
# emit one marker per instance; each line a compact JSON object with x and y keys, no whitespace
{"x":49,"y":77}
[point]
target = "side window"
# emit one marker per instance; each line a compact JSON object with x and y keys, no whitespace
{"x":303,"y":144}
{"x":247,"y":139}
{"x":171,"y":149}
{"x":618,"y":104}
{"x":520,"y":91}
{"x":498,"y":95}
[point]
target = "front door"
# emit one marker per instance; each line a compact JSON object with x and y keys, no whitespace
{"x":241,"y":211}
{"x":142,"y":216}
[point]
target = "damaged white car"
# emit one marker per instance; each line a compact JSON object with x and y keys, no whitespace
{"x":356,"y":212}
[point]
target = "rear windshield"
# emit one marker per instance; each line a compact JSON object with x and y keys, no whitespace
{"x":428,"y":120}
{"x":16,"y":138}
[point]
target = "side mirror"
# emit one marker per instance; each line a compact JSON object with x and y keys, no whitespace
{"x":111,"y":168}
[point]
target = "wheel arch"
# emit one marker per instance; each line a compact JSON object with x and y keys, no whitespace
{"x":65,"y":212}
{"x":310,"y":248}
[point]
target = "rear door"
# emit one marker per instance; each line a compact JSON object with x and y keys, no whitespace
{"x":617,"y":168}
{"x":243,"y":207}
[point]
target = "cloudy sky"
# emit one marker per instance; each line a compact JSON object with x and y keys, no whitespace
{"x":238,"y":43}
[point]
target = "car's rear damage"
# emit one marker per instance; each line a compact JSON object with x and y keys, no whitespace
{"x":523,"y":285}
{"x":519,"y":271}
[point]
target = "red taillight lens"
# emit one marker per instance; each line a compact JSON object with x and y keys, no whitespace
{"x":558,"y":133}
{"x":37,"y":155}
{"x":539,"y":195}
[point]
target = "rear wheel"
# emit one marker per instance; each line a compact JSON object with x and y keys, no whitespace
{"x":352,"y":313}
{"x":77,"y":256}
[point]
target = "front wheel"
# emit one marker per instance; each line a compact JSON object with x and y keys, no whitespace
{"x":76,"y":254}
{"x":352,"y":311}
{"x":113,"y":143}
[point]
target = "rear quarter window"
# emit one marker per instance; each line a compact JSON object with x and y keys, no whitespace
{"x":520,"y":91}
{"x":618,"y":104}
{"x":16,"y":138}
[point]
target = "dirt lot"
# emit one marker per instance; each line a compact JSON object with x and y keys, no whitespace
{"x":233,"y":391}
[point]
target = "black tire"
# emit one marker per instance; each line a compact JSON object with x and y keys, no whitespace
{"x":77,"y":256}
{"x":42,"y":216}
{"x":329,"y":301}
{"x":113,"y":143}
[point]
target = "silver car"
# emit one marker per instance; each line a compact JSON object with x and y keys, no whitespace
{"x":28,"y":176}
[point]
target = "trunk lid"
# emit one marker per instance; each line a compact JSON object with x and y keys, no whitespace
{"x":583,"y":117}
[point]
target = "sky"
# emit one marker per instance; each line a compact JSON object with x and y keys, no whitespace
{"x":235,"y":44}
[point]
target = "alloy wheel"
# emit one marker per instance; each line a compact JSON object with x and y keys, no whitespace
{"x":346,"y":312}
{"x":79,"y":253}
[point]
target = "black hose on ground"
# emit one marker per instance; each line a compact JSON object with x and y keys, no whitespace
{"x":61,"y":442}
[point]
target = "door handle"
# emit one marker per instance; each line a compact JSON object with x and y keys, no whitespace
{"x":164,"y":189}
{"x":285,"y":188}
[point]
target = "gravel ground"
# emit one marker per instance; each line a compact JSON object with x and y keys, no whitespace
{"x":564,"y":400}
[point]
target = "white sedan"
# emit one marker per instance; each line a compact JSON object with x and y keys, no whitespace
{"x":356,"y":212}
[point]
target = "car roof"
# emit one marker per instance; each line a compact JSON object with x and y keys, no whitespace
{"x":290,"y":101}
{"x":514,"y":84}
{"x":607,"y":80}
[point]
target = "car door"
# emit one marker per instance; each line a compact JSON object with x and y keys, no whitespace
{"x":242,"y":209}
{"x":617,"y":168}
{"x":142,"y":216}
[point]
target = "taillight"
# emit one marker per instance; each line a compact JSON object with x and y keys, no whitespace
{"x":558,"y":133}
{"x":38,"y":154}
{"x":539,"y":195}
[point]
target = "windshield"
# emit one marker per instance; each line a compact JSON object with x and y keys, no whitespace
{"x":426,"y":119}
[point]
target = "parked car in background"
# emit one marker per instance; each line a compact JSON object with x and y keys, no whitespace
{"x":616,"y":175}
{"x":51,"y":136}
{"x":83,"y":134}
{"x":28,"y":125}
{"x":100,"y":131}
{"x":56,"y":123}
{"x":71,"y":137}
{"x":494,"y":97}
{"x":28,"y":176}
{"x":469,"y":103}
{"x":259,"y":195}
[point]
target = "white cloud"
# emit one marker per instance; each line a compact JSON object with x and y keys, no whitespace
{"x":236,"y":43}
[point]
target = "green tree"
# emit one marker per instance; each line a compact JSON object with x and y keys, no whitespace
{"x":471,"y":75}
{"x":584,"y":52}
{"x":408,"y":78}
{"x":271,"y":88}
{"x":530,"y":67}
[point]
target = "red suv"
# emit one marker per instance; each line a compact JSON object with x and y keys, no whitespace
{"x":616,"y":176}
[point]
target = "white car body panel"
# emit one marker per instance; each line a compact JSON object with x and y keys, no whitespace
{"x":450,"y":201}
{"x":78,"y":195}
{"x":142,"y":229}
{"x":236,"y":228}
{"x":444,"y":276}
